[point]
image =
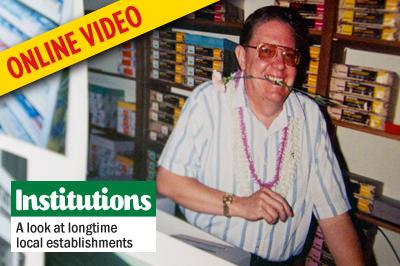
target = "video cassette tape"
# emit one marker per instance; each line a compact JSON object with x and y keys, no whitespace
{"x":358,"y":102}
{"x":161,"y":128}
{"x":357,"y":117}
{"x":163,"y":97}
{"x":389,"y":5}
{"x":390,"y":19}
{"x":363,"y":73}
{"x":365,"y":89}
{"x":366,"y":30}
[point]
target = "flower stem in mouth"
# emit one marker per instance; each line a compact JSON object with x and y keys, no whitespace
{"x":279,"y":83}
{"x":319,"y":99}
{"x":275,"y":82}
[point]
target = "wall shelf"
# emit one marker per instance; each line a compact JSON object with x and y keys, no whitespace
{"x":166,"y":86}
{"x":208,"y":26}
{"x":373,"y":45}
{"x":366,"y":129}
{"x":378,"y":222}
{"x":98,"y":71}
{"x":112,"y":133}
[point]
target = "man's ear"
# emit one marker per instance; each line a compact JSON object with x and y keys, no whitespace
{"x":241,"y":56}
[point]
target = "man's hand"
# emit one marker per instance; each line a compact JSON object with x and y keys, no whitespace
{"x":263,"y":204}
{"x":190,"y":193}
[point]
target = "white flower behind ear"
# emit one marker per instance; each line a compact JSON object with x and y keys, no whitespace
{"x":217,"y":81}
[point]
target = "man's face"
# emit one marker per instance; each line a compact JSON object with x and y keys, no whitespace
{"x":261,"y":92}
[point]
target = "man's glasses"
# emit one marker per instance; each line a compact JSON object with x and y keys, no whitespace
{"x":267,"y":52}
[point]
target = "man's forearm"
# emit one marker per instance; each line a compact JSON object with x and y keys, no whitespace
{"x":342,"y":240}
{"x":190,"y":193}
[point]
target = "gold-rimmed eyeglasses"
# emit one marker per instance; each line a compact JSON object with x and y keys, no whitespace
{"x":268,"y":51}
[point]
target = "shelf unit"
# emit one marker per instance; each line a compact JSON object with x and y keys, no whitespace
{"x":145,"y":83}
{"x":131,"y":86}
{"x":332,"y":51}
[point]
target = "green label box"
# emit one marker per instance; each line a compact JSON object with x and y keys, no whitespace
{"x":83,"y":198}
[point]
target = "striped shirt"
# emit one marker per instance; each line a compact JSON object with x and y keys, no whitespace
{"x":201,"y":147}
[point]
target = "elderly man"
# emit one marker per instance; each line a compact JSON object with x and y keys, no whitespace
{"x":252,"y":162}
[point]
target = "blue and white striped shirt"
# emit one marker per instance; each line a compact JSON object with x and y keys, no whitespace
{"x":201,"y":147}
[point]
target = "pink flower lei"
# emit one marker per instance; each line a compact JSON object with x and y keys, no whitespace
{"x":250,"y":161}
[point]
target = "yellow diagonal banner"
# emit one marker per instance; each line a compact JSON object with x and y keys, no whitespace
{"x":87,"y":36}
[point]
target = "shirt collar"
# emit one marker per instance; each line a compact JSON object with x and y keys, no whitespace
{"x":292,"y":107}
